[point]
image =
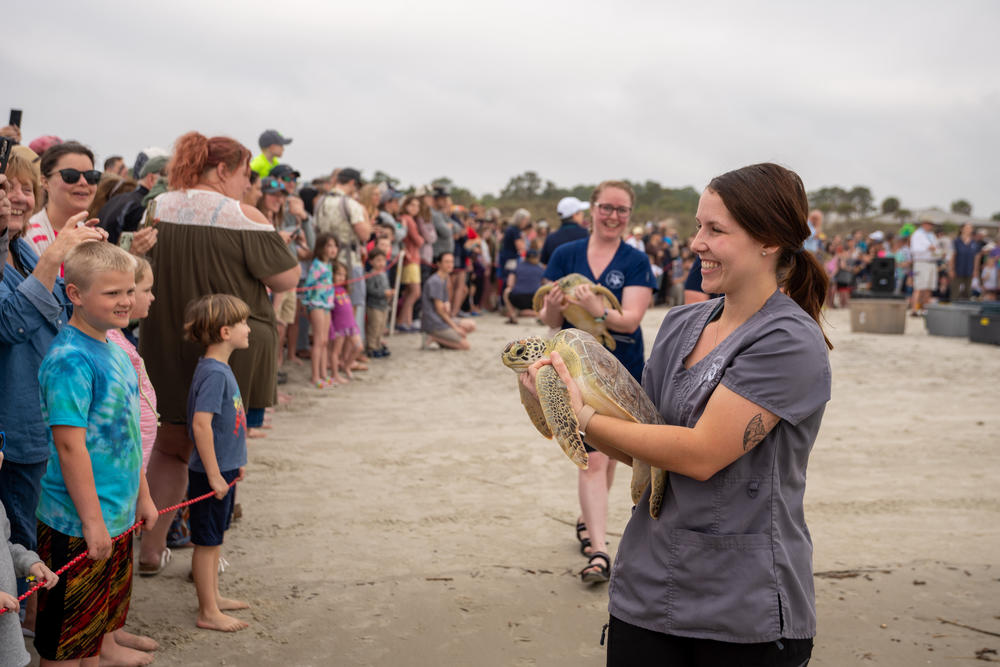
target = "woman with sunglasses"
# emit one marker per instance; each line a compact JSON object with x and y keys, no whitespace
{"x":606,"y":260}
{"x":69,"y":182}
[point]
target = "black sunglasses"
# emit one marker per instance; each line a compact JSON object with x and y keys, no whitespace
{"x":72,"y":176}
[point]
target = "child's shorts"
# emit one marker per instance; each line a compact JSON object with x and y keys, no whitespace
{"x":90,"y":600}
{"x":210,"y":518}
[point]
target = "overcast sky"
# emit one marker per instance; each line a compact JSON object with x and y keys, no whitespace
{"x":903,"y":97}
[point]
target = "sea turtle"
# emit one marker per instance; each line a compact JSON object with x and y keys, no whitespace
{"x":605,"y":385}
{"x":575,"y":314}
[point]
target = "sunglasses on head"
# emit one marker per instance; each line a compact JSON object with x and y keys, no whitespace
{"x":272,"y":185}
{"x":72,"y":176}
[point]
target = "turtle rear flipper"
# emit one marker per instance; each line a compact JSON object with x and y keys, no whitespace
{"x":553,"y":396}
{"x":658,"y":490}
{"x":609,"y":295}
{"x":607,"y":340}
{"x":534,"y":410}
{"x":640,"y":479}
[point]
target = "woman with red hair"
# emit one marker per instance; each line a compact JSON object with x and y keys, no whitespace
{"x":209,"y":242}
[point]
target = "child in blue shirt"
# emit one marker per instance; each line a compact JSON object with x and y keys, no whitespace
{"x":93,"y":489}
{"x":217,"y":424}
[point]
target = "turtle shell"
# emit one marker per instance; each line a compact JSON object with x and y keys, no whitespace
{"x":603,"y":380}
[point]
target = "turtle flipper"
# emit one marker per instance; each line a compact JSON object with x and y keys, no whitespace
{"x":640,"y":479}
{"x":553,"y":396}
{"x":536,"y":301}
{"x":658,"y":490}
{"x":609,"y":295}
{"x":534,"y":410}
{"x":607,"y":340}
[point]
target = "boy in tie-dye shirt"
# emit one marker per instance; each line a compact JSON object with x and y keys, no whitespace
{"x":93,"y":489}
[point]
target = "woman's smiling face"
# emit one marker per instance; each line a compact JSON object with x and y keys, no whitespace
{"x":729,"y":256}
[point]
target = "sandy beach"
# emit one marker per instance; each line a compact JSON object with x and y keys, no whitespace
{"x":415,"y":517}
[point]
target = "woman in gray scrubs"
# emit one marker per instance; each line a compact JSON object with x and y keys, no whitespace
{"x":724,"y":575}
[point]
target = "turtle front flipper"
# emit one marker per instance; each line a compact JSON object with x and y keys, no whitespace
{"x":640,"y":479}
{"x":609,"y":295}
{"x":553,"y":396}
{"x":534,"y":410}
{"x":658,"y":490}
{"x":536,"y":301}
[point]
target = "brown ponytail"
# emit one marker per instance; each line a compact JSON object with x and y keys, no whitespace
{"x":770,"y":203}
{"x":195,"y":154}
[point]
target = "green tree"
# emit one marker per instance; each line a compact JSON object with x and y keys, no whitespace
{"x":890,"y":205}
{"x":382,"y":177}
{"x":996,"y":216}
{"x":524,"y":186}
{"x":861,"y":200}
{"x":961,"y":206}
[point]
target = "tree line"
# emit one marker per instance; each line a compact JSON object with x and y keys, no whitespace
{"x":655,"y":202}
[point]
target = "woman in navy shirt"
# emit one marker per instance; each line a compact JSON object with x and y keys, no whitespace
{"x":607,"y":261}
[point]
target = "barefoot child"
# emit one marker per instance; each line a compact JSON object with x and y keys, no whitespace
{"x":318,"y":301}
{"x":149,"y":419}
{"x":93,"y":489}
{"x":345,"y":337}
{"x":15,"y":561}
{"x":218,"y":427}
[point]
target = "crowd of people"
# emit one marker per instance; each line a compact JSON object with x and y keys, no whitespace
{"x":149,"y":313}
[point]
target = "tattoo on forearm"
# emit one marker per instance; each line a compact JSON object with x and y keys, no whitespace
{"x":754,"y":434}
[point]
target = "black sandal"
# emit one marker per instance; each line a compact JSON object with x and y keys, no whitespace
{"x":584,"y":541}
{"x":602,"y":574}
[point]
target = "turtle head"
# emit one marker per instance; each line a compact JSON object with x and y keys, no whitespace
{"x":520,"y":354}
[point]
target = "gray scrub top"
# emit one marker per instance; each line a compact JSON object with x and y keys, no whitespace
{"x":730,"y":558}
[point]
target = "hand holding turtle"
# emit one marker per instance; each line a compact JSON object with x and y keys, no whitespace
{"x":529,"y":376}
{"x":585,"y":297}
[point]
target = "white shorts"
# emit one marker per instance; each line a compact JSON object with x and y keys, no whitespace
{"x":925,"y":275}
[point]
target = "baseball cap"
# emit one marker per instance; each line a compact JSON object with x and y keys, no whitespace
{"x":348,"y":174}
{"x":570,"y":206}
{"x":283,"y":171}
{"x":271,"y":137}
{"x":389,"y":195}
{"x":154,"y":165}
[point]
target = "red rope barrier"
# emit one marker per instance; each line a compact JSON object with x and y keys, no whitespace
{"x":388,"y":266}
{"x":34,"y":589}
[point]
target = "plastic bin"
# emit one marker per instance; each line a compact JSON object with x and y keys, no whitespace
{"x":984,"y":326}
{"x":950,"y":319}
{"x":882,"y":314}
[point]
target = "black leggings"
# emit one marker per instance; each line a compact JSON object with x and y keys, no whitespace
{"x":629,"y":646}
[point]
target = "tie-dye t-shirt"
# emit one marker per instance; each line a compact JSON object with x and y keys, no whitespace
{"x":214,"y":390}
{"x":91,"y":384}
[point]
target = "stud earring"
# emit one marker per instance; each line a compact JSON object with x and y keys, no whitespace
{"x":763,"y":253}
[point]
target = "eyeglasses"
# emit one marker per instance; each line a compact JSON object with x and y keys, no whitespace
{"x":608,"y":209}
{"x":72,"y":176}
{"x":288,"y":178}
